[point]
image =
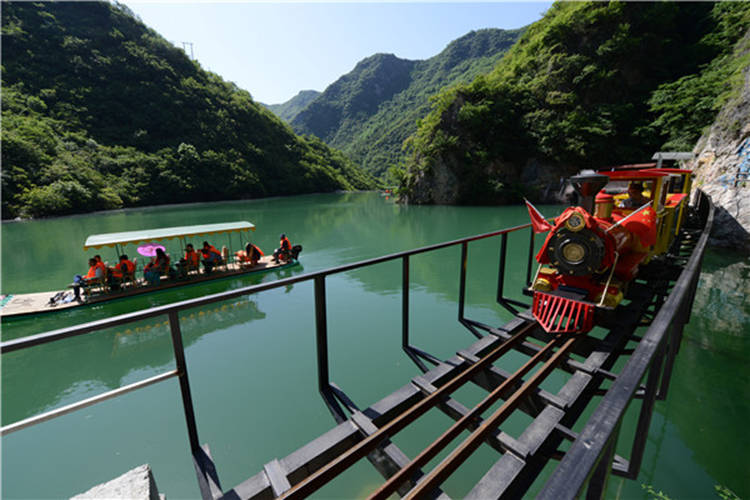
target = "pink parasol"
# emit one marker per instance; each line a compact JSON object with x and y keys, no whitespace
{"x":149,"y":249}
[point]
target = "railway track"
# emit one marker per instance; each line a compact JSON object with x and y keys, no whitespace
{"x":513,"y":390}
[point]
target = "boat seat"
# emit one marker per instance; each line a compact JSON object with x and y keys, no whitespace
{"x":96,"y":284}
{"x":190,"y":268}
{"x":224,"y":258}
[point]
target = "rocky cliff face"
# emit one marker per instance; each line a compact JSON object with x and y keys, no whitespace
{"x":722,"y":167}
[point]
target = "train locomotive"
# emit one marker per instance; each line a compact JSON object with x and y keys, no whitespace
{"x":625,"y":218}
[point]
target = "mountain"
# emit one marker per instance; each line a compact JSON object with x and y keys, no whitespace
{"x":101,"y":112}
{"x":370,"y":111}
{"x":291,"y":108}
{"x":589,"y":85}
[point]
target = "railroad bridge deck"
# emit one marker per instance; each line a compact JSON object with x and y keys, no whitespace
{"x":660,"y":299}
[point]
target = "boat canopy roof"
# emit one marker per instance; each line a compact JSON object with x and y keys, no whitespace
{"x":165,"y":233}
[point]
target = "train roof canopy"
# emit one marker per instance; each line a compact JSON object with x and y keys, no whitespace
{"x":632,"y":174}
{"x":166,"y":233}
{"x":673,"y":155}
{"x":672,"y":170}
{"x":629,"y":166}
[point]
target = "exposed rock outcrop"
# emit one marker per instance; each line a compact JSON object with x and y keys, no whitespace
{"x":136,"y":484}
{"x":722,"y":168}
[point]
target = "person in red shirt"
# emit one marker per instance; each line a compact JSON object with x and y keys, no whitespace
{"x":96,"y":272}
{"x":122,"y":272}
{"x":211,"y":256}
{"x":191,"y":257}
{"x":251,"y":254}
{"x":284,"y":251}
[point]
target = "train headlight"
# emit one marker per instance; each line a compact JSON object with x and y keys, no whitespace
{"x":576,"y":252}
{"x":575,"y":222}
{"x":573,"y":253}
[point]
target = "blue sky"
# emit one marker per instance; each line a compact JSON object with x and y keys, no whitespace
{"x":274,"y":50}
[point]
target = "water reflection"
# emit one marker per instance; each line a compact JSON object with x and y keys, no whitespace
{"x":80,"y":367}
{"x":709,"y":399}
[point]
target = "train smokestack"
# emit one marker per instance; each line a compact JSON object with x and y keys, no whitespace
{"x":587,"y":184}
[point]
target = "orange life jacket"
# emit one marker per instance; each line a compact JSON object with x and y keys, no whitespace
{"x":101,"y":265}
{"x":211,"y":249}
{"x":92,"y":271}
{"x":285,"y":245}
{"x":129,"y":265}
{"x":192,"y":258}
{"x":258,"y":249}
{"x":119,"y":272}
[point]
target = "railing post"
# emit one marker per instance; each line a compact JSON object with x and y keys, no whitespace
{"x":462,"y":286}
{"x":501,"y":271}
{"x":531,"y":256}
{"x":321,"y":333}
{"x":181,"y":365}
{"x":597,"y":486}
{"x":647,"y":410}
{"x":405,"y":302}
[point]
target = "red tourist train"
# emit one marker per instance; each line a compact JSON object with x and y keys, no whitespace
{"x":594,"y":251}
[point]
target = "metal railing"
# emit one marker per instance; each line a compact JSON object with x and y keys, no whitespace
{"x":208,"y":481}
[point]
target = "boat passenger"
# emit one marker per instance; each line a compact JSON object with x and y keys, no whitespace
{"x":251,"y":254}
{"x":285,"y":249}
{"x":114,"y":277}
{"x":163,"y":264}
{"x":151,"y":273}
{"x":635,"y":196}
{"x":191,"y":257}
{"x":189,"y":262}
{"x":100,"y":264}
{"x":162,"y":261}
{"x":95,"y":273}
{"x":123,"y":271}
{"x":127,"y":266}
{"x":211,"y":256}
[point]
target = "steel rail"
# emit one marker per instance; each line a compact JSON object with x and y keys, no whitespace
{"x":465,"y":449}
{"x":455,"y":430}
{"x":58,"y":412}
{"x":43,"y":338}
{"x":336,"y":466}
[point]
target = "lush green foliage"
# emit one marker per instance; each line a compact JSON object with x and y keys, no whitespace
{"x":291,"y":108}
{"x":100,"y":112}
{"x":686,"y":106}
{"x":589,"y":85}
{"x":369,"y":112}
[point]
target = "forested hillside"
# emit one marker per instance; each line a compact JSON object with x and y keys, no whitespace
{"x":369,"y":112}
{"x":291,"y":108}
{"x":100,"y":112}
{"x":589,"y":85}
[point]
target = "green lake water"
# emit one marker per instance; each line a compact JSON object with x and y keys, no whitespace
{"x":252,"y":360}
